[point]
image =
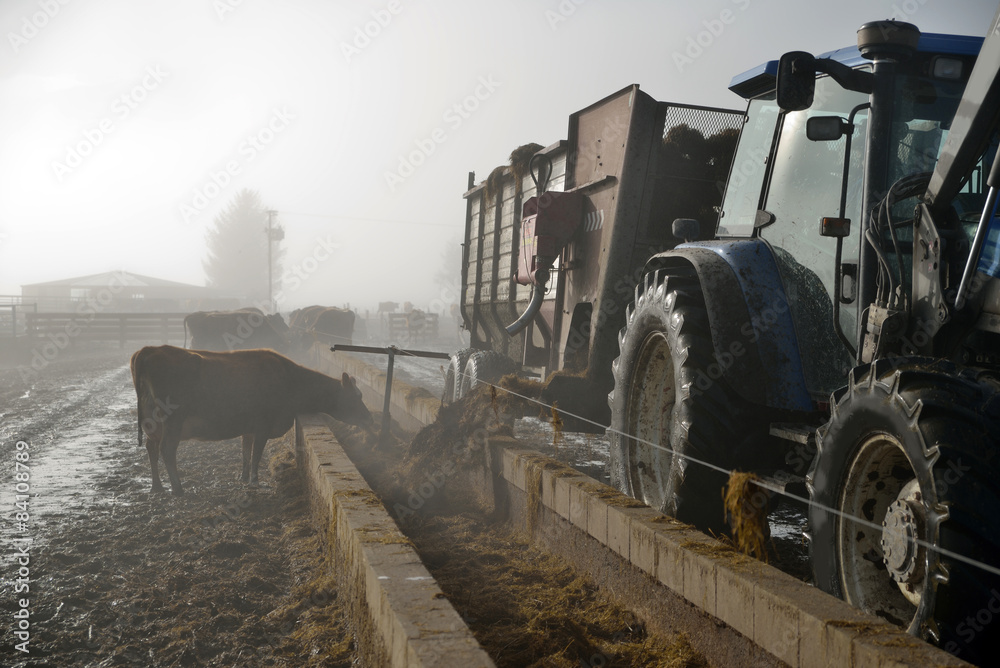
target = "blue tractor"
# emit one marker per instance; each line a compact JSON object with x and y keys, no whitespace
{"x":840,"y":334}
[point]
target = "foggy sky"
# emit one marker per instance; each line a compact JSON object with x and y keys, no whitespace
{"x":125,"y":126}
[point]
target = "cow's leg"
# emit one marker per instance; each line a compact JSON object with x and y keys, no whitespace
{"x":247,"y":451}
{"x":153,"y":450}
{"x":168,"y":446}
{"x":259,"y":441}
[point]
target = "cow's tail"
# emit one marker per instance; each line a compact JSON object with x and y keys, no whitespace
{"x":139,"y":391}
{"x":143,"y":392}
{"x":186,"y":331}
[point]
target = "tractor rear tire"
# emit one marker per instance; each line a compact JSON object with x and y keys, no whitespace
{"x":676,"y":427}
{"x":911,"y":451}
{"x":453,"y":376}
{"x":484,"y":366}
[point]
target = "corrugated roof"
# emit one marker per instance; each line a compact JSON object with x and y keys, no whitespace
{"x":122,"y":278}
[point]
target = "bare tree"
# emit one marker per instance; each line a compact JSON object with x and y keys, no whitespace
{"x":237,"y":249}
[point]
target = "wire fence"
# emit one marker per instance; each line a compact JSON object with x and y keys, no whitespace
{"x":774,"y":489}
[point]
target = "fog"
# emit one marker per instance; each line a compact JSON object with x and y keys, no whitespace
{"x":126,"y":127}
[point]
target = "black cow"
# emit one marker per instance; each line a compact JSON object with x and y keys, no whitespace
{"x":235,"y":330}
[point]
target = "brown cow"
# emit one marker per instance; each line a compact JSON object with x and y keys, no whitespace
{"x":213,"y":396}
{"x":235,"y":330}
{"x":323,"y":323}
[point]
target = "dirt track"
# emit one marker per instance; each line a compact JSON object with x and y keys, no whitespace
{"x":226,"y":575}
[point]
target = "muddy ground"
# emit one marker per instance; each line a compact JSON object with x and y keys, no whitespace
{"x":226,"y":575}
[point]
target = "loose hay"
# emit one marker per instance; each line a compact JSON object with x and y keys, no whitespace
{"x":746,"y":508}
{"x":525,"y":606}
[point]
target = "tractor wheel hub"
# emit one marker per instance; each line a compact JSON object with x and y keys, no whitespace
{"x":902,"y":555}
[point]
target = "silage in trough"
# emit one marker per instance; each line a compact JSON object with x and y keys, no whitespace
{"x":525,"y":606}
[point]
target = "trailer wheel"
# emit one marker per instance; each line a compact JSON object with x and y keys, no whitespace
{"x":484,"y":366}
{"x":670,"y":416}
{"x":908,"y":462}
{"x":453,"y":376}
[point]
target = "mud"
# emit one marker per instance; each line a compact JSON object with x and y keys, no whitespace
{"x":226,"y":575}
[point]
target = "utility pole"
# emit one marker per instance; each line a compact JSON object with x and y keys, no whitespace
{"x":273,"y":234}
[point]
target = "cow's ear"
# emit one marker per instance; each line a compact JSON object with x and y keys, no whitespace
{"x":347,"y":380}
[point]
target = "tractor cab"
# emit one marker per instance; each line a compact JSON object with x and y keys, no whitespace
{"x":842,"y":145}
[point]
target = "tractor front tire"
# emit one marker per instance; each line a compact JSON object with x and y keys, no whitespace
{"x":905,"y":509}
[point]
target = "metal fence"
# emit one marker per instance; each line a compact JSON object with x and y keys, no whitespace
{"x":120,"y":327}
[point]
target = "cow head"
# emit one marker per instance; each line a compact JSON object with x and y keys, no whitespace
{"x":350,"y":407}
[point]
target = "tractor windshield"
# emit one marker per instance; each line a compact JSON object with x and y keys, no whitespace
{"x":923,"y":109}
{"x":922,"y":113}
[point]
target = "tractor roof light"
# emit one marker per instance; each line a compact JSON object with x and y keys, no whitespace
{"x":943,"y":67}
{"x":895,"y":40}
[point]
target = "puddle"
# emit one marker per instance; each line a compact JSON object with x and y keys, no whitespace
{"x":587,"y":453}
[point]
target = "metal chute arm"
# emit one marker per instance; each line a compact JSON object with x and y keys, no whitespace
{"x":537,"y":296}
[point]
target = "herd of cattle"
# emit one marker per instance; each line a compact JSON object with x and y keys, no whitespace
{"x":250,"y":328}
{"x":231,"y":382}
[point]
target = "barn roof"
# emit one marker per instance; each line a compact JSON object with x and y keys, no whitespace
{"x":112,"y":278}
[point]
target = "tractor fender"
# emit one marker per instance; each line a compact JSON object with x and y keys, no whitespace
{"x":756,"y":350}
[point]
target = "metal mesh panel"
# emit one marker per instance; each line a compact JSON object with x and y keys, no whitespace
{"x":470,"y":288}
{"x":527,"y":188}
{"x":489,"y":222}
{"x":507,"y":214}
{"x":706,"y":121}
{"x":503,"y":278}
{"x":506,"y":240}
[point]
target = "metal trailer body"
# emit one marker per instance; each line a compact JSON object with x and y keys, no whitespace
{"x":632,"y":186}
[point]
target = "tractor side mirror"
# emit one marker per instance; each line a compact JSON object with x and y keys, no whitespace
{"x":796,"y":80}
{"x":687,"y":229}
{"x":827,"y":128}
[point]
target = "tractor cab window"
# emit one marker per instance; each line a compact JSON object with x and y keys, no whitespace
{"x":969,"y":206}
{"x":739,"y":209}
{"x":923,"y":109}
{"x":804,"y":186}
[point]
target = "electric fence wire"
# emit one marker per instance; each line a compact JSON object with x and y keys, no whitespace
{"x":760,"y":483}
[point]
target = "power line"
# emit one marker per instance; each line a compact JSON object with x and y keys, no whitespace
{"x":388,"y":221}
